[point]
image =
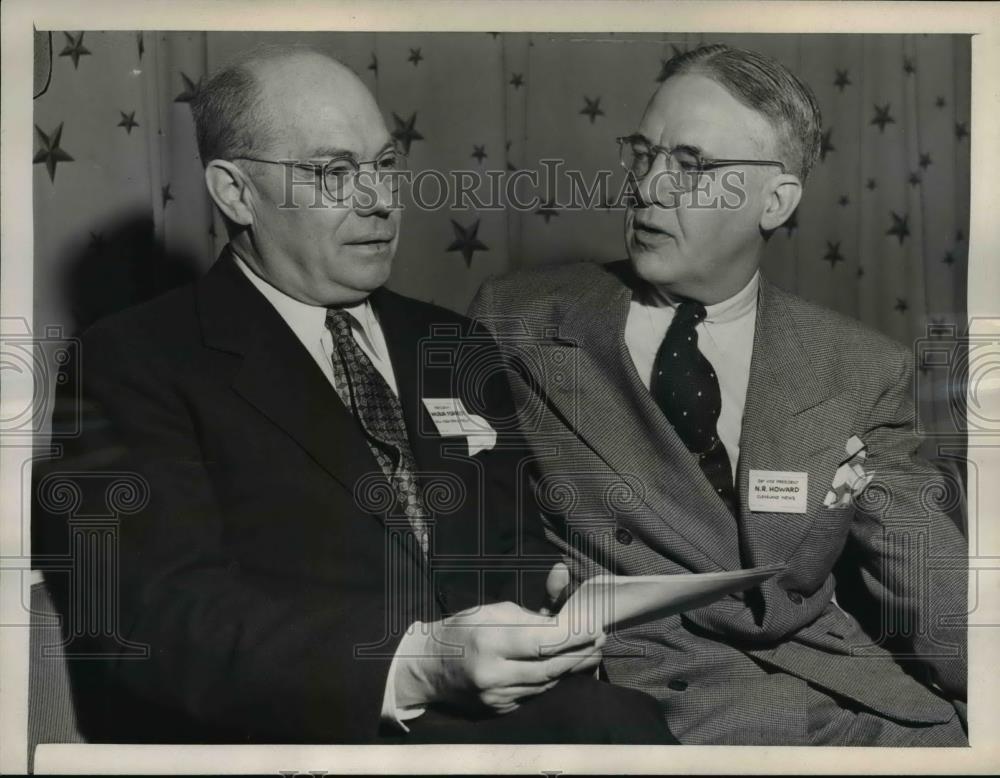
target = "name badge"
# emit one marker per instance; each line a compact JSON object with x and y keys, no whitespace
{"x":778,"y":491}
{"x":453,"y":420}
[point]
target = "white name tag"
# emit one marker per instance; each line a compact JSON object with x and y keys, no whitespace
{"x":453,"y":420}
{"x":778,"y":491}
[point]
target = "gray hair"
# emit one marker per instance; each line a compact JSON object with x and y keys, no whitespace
{"x":767,"y":87}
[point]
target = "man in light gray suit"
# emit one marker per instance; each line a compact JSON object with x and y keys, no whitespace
{"x":689,"y":416}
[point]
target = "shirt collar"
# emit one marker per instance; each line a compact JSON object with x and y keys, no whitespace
{"x":309,"y":321}
{"x":732,"y":308}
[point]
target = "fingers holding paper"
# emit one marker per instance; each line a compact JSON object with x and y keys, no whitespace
{"x":557,"y":587}
{"x":493,"y":656}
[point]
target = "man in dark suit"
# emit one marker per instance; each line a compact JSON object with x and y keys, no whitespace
{"x":311,"y":551}
{"x":702,"y":420}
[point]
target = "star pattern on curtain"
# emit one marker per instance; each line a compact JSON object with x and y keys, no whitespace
{"x":406,"y":131}
{"x":128,"y":121}
{"x":74,"y":49}
{"x":51,"y":153}
{"x":833,"y":255}
{"x":592,"y":108}
{"x":900,"y":227}
{"x":882,"y":117}
{"x":191,"y":89}
{"x":889,"y":185}
{"x":466,"y":241}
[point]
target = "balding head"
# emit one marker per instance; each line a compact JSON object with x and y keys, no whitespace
{"x":241,"y":110}
{"x":268,"y":127}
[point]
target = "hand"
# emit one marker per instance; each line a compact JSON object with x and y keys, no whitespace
{"x":494,"y":656}
{"x":557,"y":588}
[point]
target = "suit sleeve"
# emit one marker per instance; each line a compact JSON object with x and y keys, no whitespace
{"x":912,"y":556}
{"x":525,"y":536}
{"x":235,"y":650}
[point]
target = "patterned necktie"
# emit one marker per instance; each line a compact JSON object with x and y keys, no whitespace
{"x":686,"y":388}
{"x":376,"y":407}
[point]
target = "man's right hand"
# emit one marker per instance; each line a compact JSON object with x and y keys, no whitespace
{"x":493,"y":656}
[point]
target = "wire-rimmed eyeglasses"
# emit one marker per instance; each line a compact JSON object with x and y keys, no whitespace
{"x":339,"y":175}
{"x":684,"y":164}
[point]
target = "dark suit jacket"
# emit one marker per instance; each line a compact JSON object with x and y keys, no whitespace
{"x":256,"y":562}
{"x":735,"y":671}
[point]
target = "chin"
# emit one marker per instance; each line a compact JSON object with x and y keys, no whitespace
{"x":370,"y":270}
{"x":653,"y":266}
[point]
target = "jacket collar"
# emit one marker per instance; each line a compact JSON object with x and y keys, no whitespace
{"x":277,"y":375}
{"x":635,"y":440}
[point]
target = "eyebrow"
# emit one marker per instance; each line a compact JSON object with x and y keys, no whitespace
{"x":335,"y":151}
{"x":696,"y":150}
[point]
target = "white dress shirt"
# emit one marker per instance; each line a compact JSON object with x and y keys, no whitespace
{"x":725,"y":338}
{"x":308,"y":322}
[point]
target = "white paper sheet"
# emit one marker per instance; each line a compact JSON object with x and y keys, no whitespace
{"x":609,"y":599}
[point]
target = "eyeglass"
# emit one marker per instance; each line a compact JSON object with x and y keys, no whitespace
{"x":684,"y":165}
{"x":339,"y":175}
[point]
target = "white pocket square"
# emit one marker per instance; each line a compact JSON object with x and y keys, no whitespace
{"x":850,"y":479}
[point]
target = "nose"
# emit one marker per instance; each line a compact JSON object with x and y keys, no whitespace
{"x":373,"y":194}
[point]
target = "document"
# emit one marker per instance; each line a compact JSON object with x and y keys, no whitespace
{"x":610,"y":599}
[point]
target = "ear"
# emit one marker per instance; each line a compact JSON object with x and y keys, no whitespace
{"x":785,"y":192}
{"x":230,"y":190}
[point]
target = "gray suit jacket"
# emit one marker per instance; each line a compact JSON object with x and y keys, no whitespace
{"x":622,"y":493}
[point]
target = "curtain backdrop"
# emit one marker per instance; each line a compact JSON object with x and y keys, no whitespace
{"x":121,"y":211}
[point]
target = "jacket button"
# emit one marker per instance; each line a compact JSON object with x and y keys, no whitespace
{"x":677,"y":685}
{"x":623,"y":536}
{"x":795,"y":597}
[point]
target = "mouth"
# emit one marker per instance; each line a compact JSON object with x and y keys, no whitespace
{"x":645,"y":232}
{"x":374,"y":243}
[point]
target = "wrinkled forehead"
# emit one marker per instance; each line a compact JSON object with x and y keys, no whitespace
{"x":695,"y":110}
{"x":317,"y":106}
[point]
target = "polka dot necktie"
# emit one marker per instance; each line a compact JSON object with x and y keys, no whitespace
{"x":686,"y":388}
{"x":376,"y":407}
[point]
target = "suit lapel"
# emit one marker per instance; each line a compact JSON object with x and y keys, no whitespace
{"x":406,"y":325}
{"x":278,"y":376}
{"x":612,"y":411}
{"x":782,"y":388}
